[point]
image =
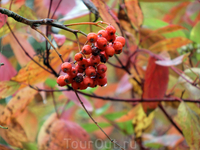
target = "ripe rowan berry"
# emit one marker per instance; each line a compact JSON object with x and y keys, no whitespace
{"x":121,"y":40}
{"x":92,"y":37}
{"x":95,"y":83}
{"x":102,"y":82}
{"x":94,"y":60}
{"x":100,"y":76}
{"x":75,"y":85}
{"x":73,"y":72}
{"x":102,"y":33}
{"x":95,"y":51}
{"x":68,"y":79}
{"x":102,"y":42}
{"x":101,"y":68}
{"x":111,"y":38}
{"x":90,"y":71}
{"x":60,"y":80}
{"x":88,"y":81}
{"x":80,"y":70}
{"x":110,"y":30}
{"x":110,"y":51}
{"x":66,"y":67}
{"x":87,"y":49}
{"x":118,"y":47}
{"x":78,"y":57}
{"x":83,"y":63}
{"x":83,"y":86}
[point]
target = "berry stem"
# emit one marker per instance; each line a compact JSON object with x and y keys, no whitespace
{"x":95,"y":121}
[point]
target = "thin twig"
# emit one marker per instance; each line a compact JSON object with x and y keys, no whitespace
{"x":54,"y":103}
{"x":170,"y":119}
{"x":63,"y":109}
{"x":95,"y":121}
{"x":24,"y":49}
{"x":49,"y":43}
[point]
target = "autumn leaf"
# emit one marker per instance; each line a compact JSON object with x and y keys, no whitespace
{"x":106,"y":14}
{"x":169,"y":44}
{"x":167,"y":29}
{"x":155,"y":85}
{"x":32,"y":73}
{"x":3,"y":147}
{"x":134,"y":13}
{"x":189,"y":121}
{"x":60,"y":134}
{"x":139,"y":119}
{"x":163,"y":0}
{"x":194,"y":36}
{"x":3,"y":19}
{"x":8,"y":88}
{"x":17,"y":104}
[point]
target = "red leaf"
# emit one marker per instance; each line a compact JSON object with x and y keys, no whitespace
{"x":155,"y":85}
{"x":7,"y":69}
{"x":3,"y":19}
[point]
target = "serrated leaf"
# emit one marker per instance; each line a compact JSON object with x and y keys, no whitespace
{"x":189,"y":122}
{"x":194,"y":35}
{"x":169,"y":44}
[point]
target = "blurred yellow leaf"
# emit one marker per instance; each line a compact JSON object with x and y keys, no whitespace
{"x":8,"y":88}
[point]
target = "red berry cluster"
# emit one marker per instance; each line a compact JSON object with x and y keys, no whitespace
{"x":90,"y":71}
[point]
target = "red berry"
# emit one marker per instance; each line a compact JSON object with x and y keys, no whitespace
{"x":68,"y":79}
{"x":110,"y":30}
{"x":89,"y":63}
{"x":87,"y":49}
{"x":101,"y":68}
{"x":92,"y":37}
{"x":75,"y":85}
{"x":110,"y":51}
{"x":95,"y":60}
{"x":80,"y":70}
{"x":73,"y":72}
{"x":78,"y":57}
{"x":88,"y":81}
{"x":83,"y":86}
{"x":60,"y":80}
{"x":90,"y":71}
{"x":83,"y":63}
{"x":111,"y":38}
{"x":66,"y":67}
{"x":95,"y":83}
{"x":102,"y":42}
{"x":121,"y":40}
{"x":118,"y":47}
{"x":102,"y":33}
{"x":102,"y":82}
{"x":101,"y":76}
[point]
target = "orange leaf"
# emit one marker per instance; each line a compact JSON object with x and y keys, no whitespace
{"x":169,"y":44}
{"x":32,"y":73}
{"x":105,"y":14}
{"x":167,"y":29}
{"x":155,"y":85}
{"x":134,"y":12}
{"x":60,"y":134}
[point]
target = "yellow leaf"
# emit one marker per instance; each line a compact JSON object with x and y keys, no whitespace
{"x":169,"y":44}
{"x":8,"y":88}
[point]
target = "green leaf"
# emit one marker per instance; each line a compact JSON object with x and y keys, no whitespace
{"x":8,"y":88}
{"x":30,"y":146}
{"x":102,"y":109}
{"x":91,"y":127}
{"x":115,"y":115}
{"x":51,"y":82}
{"x":189,"y":122}
{"x":194,"y":35}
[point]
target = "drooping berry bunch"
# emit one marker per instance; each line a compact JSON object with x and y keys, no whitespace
{"x":90,"y":70}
